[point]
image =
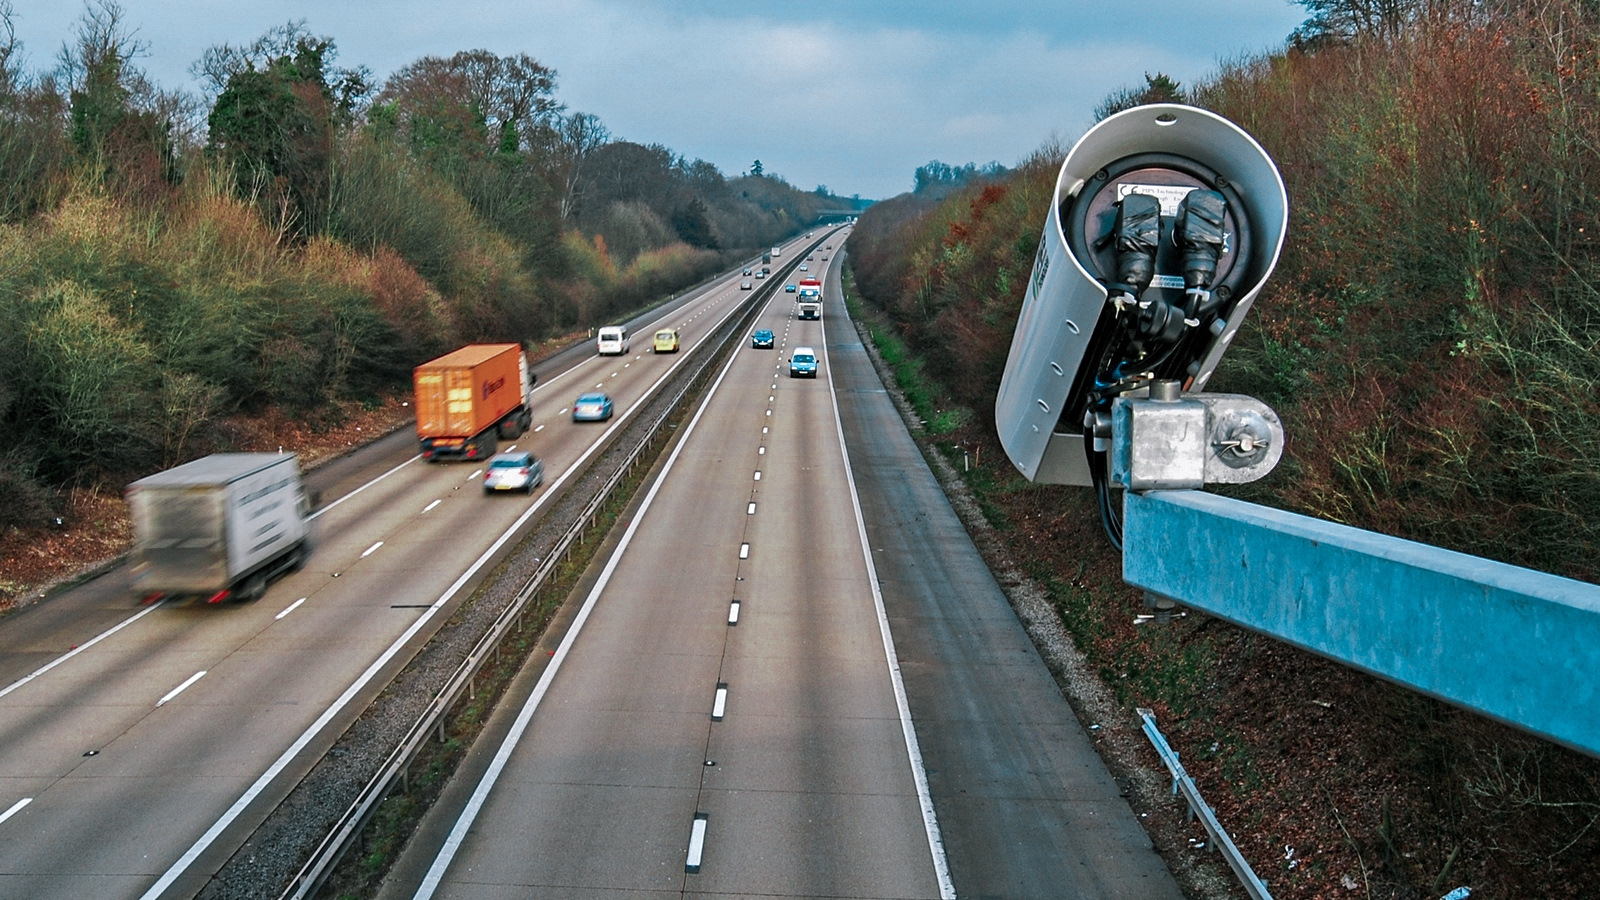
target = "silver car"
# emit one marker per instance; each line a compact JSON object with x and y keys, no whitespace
{"x":519,"y":471}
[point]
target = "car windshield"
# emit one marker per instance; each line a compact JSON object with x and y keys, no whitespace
{"x":804,"y":358}
{"x":516,"y":463}
{"x":663,"y":335}
{"x":592,"y":398}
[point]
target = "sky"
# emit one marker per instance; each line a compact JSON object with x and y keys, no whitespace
{"x":851,"y":94}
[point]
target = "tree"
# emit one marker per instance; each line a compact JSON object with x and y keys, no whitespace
{"x":577,"y":137}
{"x":694,"y":225}
{"x":1158,"y":88}
{"x":275,"y":118}
{"x":474,"y":102}
{"x":755,"y":168}
{"x":1338,"y":21}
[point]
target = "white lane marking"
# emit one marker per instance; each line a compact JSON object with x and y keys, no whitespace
{"x":763,"y":429}
{"x":180,"y":688}
{"x":758,"y":474}
{"x":624,"y":365}
{"x":15,"y":808}
{"x":430,"y":506}
{"x":371,"y":550}
{"x":475,"y":474}
{"x":613,"y":374}
{"x":751,"y":509}
{"x":697,"y":844}
{"x":744,"y":551}
{"x":601,"y":384}
{"x":562,"y":413}
{"x":365,"y":486}
{"x":772,"y":398}
{"x":290,"y":608}
{"x":930,"y":822}
{"x":80,"y":648}
{"x":769,"y":412}
{"x":511,"y":448}
{"x":469,"y":814}
{"x":541,"y":427}
{"x":719,"y":706}
{"x":761,"y":451}
{"x":733,"y":613}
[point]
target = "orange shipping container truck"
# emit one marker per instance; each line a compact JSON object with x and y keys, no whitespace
{"x":469,"y":400}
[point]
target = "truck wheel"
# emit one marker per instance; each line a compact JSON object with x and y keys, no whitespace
{"x":487,"y":445}
{"x":252,"y":589}
{"x":297,"y":559}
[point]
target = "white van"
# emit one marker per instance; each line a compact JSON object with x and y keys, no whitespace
{"x":612,"y":341}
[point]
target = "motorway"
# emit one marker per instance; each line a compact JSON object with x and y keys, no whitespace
{"x":139,"y":745}
{"x":728,"y":713}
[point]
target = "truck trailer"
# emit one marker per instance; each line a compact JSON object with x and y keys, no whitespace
{"x":220,"y":527}
{"x":809,"y":299}
{"x":471,"y":399}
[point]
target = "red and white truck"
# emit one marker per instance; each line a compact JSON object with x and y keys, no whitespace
{"x":810,"y":298}
{"x":471,"y":399}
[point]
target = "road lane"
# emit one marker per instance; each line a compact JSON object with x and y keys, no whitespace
{"x":117,"y":819}
{"x":1026,"y":807}
{"x":804,"y":784}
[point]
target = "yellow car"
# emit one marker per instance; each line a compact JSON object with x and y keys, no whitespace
{"x":666,"y":341}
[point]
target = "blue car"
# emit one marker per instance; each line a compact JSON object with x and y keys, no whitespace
{"x":594,"y":407}
{"x":788,"y":288}
{"x":803,"y":364}
{"x":762,"y":339}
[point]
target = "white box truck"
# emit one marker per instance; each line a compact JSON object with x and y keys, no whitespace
{"x":219,"y":527}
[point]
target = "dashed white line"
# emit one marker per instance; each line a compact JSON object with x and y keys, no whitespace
{"x":751,"y":509}
{"x":290,"y":608}
{"x":475,"y":474}
{"x":363,"y":487}
{"x":761,"y":451}
{"x":541,"y":427}
{"x":744,"y":551}
{"x":697,"y":844}
{"x":180,"y":688}
{"x":15,"y":808}
{"x":79,"y":649}
{"x":430,"y":506}
{"x":719,"y":706}
{"x":371,"y":550}
{"x":733,"y":613}
{"x":758,"y":474}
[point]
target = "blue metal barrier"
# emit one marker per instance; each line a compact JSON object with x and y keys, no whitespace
{"x":1511,"y":643}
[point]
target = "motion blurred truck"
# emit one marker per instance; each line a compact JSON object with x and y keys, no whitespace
{"x":471,"y":399}
{"x":219,"y":527}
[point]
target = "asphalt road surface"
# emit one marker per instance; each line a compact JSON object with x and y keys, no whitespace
{"x":139,"y":745}
{"x":726,"y":715}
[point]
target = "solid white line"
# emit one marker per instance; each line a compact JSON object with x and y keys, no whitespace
{"x":744,"y":551}
{"x":15,"y":808}
{"x":930,"y":822}
{"x":80,"y":648}
{"x":430,"y":506}
{"x":290,"y":608}
{"x":720,"y":704}
{"x":365,"y":486}
{"x":179,"y":689}
{"x":697,"y":844}
{"x":469,"y":814}
{"x":371,"y":550}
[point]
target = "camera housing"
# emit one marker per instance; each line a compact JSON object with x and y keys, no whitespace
{"x":1125,"y":291}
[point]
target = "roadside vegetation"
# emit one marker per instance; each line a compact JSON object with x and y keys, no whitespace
{"x":298,"y":237}
{"x":1429,"y":340}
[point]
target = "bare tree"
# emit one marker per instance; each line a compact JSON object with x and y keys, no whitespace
{"x":578,"y":136}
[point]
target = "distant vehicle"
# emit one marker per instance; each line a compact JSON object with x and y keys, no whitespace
{"x":747,"y":270}
{"x":789,"y":288}
{"x":472,"y":398}
{"x":612,"y":340}
{"x":220,"y":527}
{"x":803,"y":364}
{"x":666,"y":341}
{"x":519,"y":471}
{"x":829,"y":247}
{"x":824,"y":259}
{"x":762,"y":273}
{"x":766,"y":257}
{"x":776,"y":251}
{"x":804,"y":267}
{"x":766,"y":270}
{"x":593,"y":407}
{"x":745,"y":285}
{"x":762,"y":339}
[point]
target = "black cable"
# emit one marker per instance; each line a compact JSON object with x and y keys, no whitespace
{"x":1110,"y":516}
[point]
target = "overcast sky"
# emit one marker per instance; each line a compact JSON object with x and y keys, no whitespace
{"x":852,"y":94}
